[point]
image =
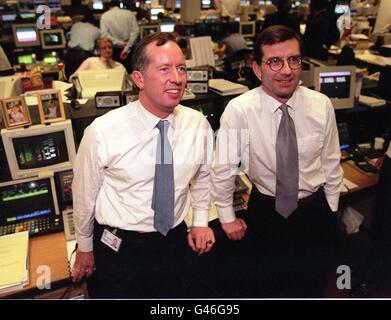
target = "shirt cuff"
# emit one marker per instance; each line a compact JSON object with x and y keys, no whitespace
{"x":200,"y":218}
{"x":333,"y":200}
{"x":226,"y":214}
{"x":85,"y":244}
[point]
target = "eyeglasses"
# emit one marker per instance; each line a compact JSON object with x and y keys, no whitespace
{"x":276,"y":64}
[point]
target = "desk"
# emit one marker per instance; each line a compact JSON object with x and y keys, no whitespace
{"x":48,"y":250}
{"x":355,"y":175}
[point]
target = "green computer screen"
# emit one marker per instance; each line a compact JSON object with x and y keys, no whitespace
{"x":50,"y":59}
{"x":26,"y":59}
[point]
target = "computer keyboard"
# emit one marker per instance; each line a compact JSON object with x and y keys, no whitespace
{"x":37,"y":226}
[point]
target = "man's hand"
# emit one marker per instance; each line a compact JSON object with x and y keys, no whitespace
{"x":235,"y":230}
{"x":201,"y":239}
{"x":84,"y":265}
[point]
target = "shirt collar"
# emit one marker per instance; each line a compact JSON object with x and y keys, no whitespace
{"x":272,"y":104}
{"x":150,"y":120}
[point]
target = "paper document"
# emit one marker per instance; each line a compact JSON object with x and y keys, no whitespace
{"x":225,"y":87}
{"x":348,"y":185}
{"x":371,"y":101}
{"x":13,"y":259}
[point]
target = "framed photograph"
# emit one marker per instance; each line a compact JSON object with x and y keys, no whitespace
{"x":50,"y":106}
{"x":15,"y":112}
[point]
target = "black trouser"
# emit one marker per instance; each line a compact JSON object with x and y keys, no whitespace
{"x":293,"y":256}
{"x":148,"y":265}
{"x":379,"y":257}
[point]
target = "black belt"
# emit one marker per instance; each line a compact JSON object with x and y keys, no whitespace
{"x":319,"y":194}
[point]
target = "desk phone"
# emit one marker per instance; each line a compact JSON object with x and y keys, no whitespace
{"x":69,"y":225}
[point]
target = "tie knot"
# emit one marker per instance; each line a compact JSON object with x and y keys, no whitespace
{"x":283,"y":107}
{"x":162,"y":125}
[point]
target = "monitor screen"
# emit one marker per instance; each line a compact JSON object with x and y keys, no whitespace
{"x":338,"y":83}
{"x":155,"y":11}
{"x":28,"y":199}
{"x":54,"y":5}
{"x":25,"y":35}
{"x":97,"y":5}
{"x":343,"y":135}
{"x":51,"y":58}
{"x":27,"y":15}
{"x":247,"y":29}
{"x":39,"y":148}
{"x":64,"y":186}
{"x":53,"y":39}
{"x":206,"y":4}
{"x":29,"y":58}
{"x":8,"y":17}
{"x":167,"y":26}
{"x":148,"y":29}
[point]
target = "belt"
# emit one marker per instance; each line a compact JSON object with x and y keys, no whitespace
{"x":319,"y":194}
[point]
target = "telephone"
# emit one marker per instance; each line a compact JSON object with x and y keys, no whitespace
{"x":69,"y":226}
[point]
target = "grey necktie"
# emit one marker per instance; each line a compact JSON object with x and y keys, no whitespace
{"x":287,"y":165}
{"x":163,"y":188}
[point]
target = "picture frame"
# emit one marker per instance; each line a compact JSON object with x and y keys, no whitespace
{"x":15,"y":112}
{"x":50,"y":106}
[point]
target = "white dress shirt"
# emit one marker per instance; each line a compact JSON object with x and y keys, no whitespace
{"x":256,"y":117}
{"x":119,"y":25}
{"x":84,"y":36}
{"x":97,"y":63}
{"x":115,"y":165}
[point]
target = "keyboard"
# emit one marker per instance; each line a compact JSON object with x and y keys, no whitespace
{"x":35,"y":227}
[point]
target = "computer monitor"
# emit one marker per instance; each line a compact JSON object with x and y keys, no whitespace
{"x":343,"y":135}
{"x":201,"y":52}
{"x":38,"y":149}
{"x":167,"y":26}
{"x":206,"y":4}
{"x":97,"y":5}
{"x":154,"y":11}
{"x":7,"y":19}
{"x":64,"y":187}
{"x":51,"y":58}
{"x":148,"y":29}
{"x":54,"y":5}
{"x":53,"y":39}
{"x":27,"y":15}
{"x":107,"y":80}
{"x":29,"y":205}
{"x":25,"y":35}
{"x":247,"y":29}
{"x":338,"y":83}
{"x":26,"y":58}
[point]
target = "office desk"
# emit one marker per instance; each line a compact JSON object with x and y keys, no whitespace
{"x":362,"y":180}
{"x":47,"y":250}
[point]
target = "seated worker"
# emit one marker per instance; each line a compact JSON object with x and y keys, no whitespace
{"x":104,"y":61}
{"x":232,"y":43}
{"x":81,"y":45}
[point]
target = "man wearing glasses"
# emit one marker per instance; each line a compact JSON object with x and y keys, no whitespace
{"x":285,"y":137}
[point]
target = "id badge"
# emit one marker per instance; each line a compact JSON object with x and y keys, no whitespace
{"x":111,"y":240}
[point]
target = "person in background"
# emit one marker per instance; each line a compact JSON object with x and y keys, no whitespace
{"x":104,"y":61}
{"x":120,"y":191}
{"x":283,"y":16}
{"x":232,"y":42}
{"x":286,"y":138}
{"x":81,"y":45}
{"x":321,"y":30}
{"x":229,"y":9}
{"x":121,"y":27}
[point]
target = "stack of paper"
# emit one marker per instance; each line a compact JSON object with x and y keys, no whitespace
{"x":371,"y":101}
{"x":225,"y":87}
{"x":13,"y":261}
